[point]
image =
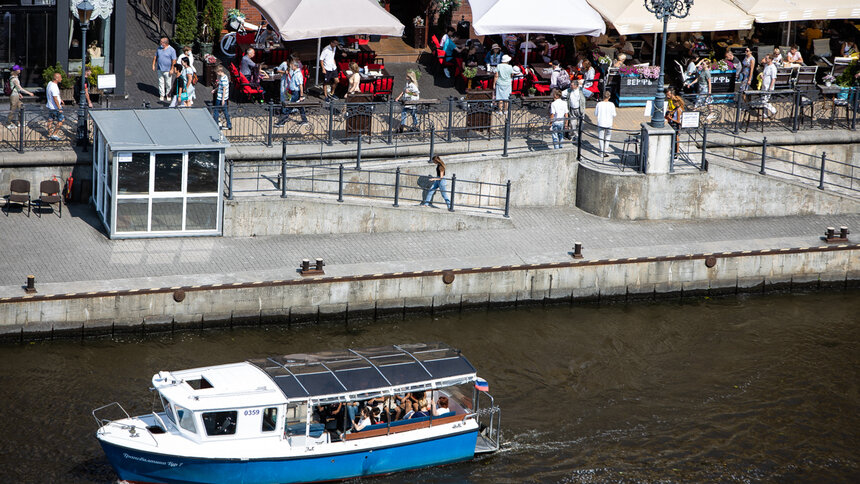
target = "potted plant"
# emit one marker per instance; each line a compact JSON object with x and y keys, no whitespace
{"x":67,"y":84}
{"x":469,"y":73}
{"x":532,"y":91}
{"x":847,"y":79}
{"x":210,"y":27}
{"x":92,"y":80}
{"x":419,"y":32}
{"x":186,"y":23}
{"x":828,"y":79}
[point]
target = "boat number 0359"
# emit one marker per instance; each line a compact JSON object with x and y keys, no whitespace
{"x":252,"y":412}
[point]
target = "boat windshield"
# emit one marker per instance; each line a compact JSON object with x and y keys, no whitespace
{"x":168,"y":409}
{"x":186,"y":419}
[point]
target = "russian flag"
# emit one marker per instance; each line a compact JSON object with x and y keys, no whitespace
{"x":482,"y":385}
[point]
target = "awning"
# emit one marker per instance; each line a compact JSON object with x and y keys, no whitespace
{"x":766,"y":11}
{"x":312,"y":19}
{"x":330,"y":375}
{"x":705,"y":16}
{"x":564,"y":17}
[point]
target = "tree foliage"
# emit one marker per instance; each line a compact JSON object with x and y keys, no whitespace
{"x":186,"y":23}
{"x":213,"y":15}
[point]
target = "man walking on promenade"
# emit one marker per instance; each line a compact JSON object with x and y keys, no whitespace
{"x":605,"y":114}
{"x":222,"y":96}
{"x":768,"y":81}
{"x":557,"y":116}
{"x":55,"y":107}
{"x":162,"y":63}
{"x":576,"y":104}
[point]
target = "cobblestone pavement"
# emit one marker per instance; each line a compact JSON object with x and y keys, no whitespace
{"x":74,"y":248}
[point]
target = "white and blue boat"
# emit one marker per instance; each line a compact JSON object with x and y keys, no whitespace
{"x":281,"y":419}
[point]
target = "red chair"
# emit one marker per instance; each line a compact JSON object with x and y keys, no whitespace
{"x":251,"y":92}
{"x":518,"y":86}
{"x":435,"y":42}
{"x":559,"y":54}
{"x":361,"y":39}
{"x":234,"y":71}
{"x":490,"y":83}
{"x":363,"y":58}
{"x":541,"y":87}
{"x":367,"y":86}
{"x":383,"y":86}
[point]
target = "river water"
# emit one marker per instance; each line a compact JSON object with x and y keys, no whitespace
{"x":753,"y":388}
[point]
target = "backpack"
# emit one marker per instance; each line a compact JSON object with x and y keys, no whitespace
{"x":563,"y":80}
{"x":194,"y":78}
{"x":7,"y":88}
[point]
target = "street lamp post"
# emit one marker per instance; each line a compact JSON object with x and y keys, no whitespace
{"x":85,"y":9}
{"x":664,"y":10}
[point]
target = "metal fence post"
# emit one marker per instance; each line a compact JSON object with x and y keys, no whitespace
{"x":508,"y":199}
{"x":855,"y":93}
{"x":340,"y":183}
{"x":794,"y":110}
{"x":390,"y":117}
{"x":738,"y":97}
{"x":271,"y":109}
{"x":704,"y":147}
{"x":432,"y":142}
{"x":450,"y":116}
{"x":579,"y":139}
{"x":821,"y":175}
{"x":453,"y":190}
{"x":397,"y":187}
{"x":230,"y":181}
{"x":284,"y":175}
{"x":329,"y":135}
{"x":21,"y":126}
{"x":673,"y":153}
{"x":763,"y":154}
{"x":507,"y":132}
{"x":358,"y":154}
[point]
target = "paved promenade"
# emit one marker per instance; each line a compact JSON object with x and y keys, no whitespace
{"x":73,"y":249}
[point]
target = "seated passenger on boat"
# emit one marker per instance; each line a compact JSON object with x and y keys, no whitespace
{"x":442,"y":406}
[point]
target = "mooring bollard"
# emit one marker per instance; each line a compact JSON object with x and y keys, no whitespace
{"x":577,"y":250}
{"x":306,"y":265}
{"x":319,"y":264}
{"x":843,"y":232}
{"x":31,"y":284}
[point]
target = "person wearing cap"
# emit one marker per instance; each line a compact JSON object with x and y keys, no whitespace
{"x":15,"y":97}
{"x":494,"y":56}
{"x":504,"y":74}
{"x":329,"y":69}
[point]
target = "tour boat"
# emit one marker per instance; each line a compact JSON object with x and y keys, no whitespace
{"x":288,"y":418}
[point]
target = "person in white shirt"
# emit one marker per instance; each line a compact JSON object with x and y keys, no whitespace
{"x":55,"y":107}
{"x":186,"y":52}
{"x":329,"y":69}
{"x":576,"y":105}
{"x":777,"y":57}
{"x":442,"y":407}
{"x":605,"y":114}
{"x":793,"y":56}
{"x":768,"y":81}
{"x":557,"y":116}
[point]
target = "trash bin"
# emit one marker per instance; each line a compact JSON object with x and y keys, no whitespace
{"x":359,"y":114}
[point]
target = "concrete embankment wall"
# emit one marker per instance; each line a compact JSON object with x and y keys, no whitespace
{"x":723,"y":192}
{"x":343,"y":297}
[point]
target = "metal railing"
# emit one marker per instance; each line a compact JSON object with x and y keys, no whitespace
{"x":337,"y":179}
{"x":818,"y":169}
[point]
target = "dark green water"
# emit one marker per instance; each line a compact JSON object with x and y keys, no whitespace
{"x":751,"y":389}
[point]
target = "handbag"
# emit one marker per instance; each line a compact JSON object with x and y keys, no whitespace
{"x":184,"y":96}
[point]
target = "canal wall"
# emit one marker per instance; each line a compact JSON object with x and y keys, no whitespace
{"x":56,"y":310}
{"x":724,"y":191}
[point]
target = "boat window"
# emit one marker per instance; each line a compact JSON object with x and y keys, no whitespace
{"x":186,"y":419}
{"x":168,"y":409}
{"x":199,"y":384}
{"x":297,"y":416}
{"x":270,"y":419}
{"x":220,"y":423}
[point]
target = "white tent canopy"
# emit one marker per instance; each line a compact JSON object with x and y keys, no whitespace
{"x":766,"y":11}
{"x":312,"y":19}
{"x":564,"y":17}
{"x":705,"y":16}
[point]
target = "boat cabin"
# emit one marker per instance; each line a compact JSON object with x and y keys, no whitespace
{"x":312,"y":399}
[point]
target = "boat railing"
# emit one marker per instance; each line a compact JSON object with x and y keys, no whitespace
{"x":134,"y":431}
{"x":489,"y":418}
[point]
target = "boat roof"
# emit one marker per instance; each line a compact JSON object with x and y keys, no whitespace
{"x":357,"y":373}
{"x":321,"y":377}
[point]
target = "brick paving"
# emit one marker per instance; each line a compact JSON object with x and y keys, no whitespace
{"x":74,"y":248}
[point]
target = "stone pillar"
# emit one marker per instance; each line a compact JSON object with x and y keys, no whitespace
{"x":658,"y":143}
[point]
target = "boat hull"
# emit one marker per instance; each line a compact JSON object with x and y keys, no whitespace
{"x":138,"y":466}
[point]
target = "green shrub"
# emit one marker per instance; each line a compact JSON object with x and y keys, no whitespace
{"x":213,"y":16}
{"x":95,"y":72}
{"x":186,"y":23}
{"x":48,"y":75}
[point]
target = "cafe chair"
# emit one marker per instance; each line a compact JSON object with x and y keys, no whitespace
{"x":559,"y":54}
{"x":249,"y":91}
{"x":383,"y":86}
{"x":49,"y":194}
{"x":19,"y":194}
{"x":806,"y":76}
{"x":518,"y":86}
{"x":541,"y":87}
{"x":847,"y":104}
{"x":809,"y":95}
{"x":783,"y":78}
{"x":821,"y":49}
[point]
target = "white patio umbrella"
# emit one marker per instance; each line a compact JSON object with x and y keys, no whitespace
{"x":705,"y":16}
{"x":766,"y":11}
{"x":315,"y":19}
{"x":563,"y":17}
